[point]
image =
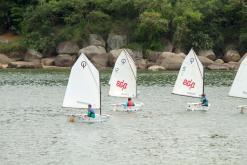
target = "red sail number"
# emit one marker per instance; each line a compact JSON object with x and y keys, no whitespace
{"x":122,"y":84}
{"x":189,"y":83}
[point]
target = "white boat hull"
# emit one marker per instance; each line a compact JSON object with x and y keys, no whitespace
{"x":82,"y":118}
{"x":124,"y":108}
{"x":242,"y":108}
{"x":196,"y":107}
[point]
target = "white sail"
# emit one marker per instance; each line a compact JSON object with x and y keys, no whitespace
{"x":190,"y":77}
{"x":123,"y":78}
{"x":83,"y":86}
{"x":118,"y":61}
{"x":239,"y":86}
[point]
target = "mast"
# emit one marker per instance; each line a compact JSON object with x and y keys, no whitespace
{"x":203,"y":79}
{"x":99,"y":95}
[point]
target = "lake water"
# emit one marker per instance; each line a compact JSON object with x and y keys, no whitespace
{"x":35,"y":130}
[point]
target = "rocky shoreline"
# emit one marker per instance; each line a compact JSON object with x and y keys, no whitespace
{"x":105,"y":56}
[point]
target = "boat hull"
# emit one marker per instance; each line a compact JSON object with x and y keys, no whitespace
{"x":124,"y":108}
{"x":196,"y":107}
{"x":82,"y":118}
{"x":242,"y":108}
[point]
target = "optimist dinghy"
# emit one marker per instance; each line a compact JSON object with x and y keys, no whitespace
{"x":123,"y":82}
{"x":84,"y":88}
{"x":239,"y":85}
{"x":190,"y":81}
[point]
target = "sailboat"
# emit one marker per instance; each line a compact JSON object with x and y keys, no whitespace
{"x":84,"y":88}
{"x":239,"y":85}
{"x":190,"y":80}
{"x":123,"y":81}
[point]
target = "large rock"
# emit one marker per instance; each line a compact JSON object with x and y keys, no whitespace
{"x":156,"y":68}
{"x":48,"y":61}
{"x":96,"y":40}
{"x":3,"y":66}
{"x":231,"y":55}
{"x":170,"y":61}
{"x":205,"y":61}
{"x":17,"y":55}
{"x":216,"y":66}
{"x":136,"y":54}
{"x":24,"y":64}
{"x":100,"y":60}
{"x":32,"y":56}
{"x":4,"y":59}
{"x":219,"y":61}
{"x":116,"y":41}
{"x":208,"y":54}
{"x":153,"y":55}
{"x":233,"y":65}
{"x":67,"y":47}
{"x":92,"y":50}
{"x":64,"y":60}
{"x":141,"y":63}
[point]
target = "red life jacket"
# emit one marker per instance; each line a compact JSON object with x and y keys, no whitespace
{"x":130,"y":103}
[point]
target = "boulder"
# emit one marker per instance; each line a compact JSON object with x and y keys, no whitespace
{"x":233,"y":65}
{"x":164,"y":55}
{"x":135,"y":54}
{"x":67,"y":47}
{"x":3,"y":66}
{"x":48,"y":61}
{"x":17,"y":55}
{"x":205,"y":61}
{"x":208,"y":54}
{"x":156,"y":68}
{"x":170,"y":61}
{"x":141,"y":63}
{"x":231,"y":55}
{"x":96,"y":40}
{"x":216,"y":66}
{"x":24,"y":64}
{"x":92,"y":50}
{"x":115,"y":41}
{"x":219,"y":61}
{"x":100,"y":60}
{"x":32,"y":56}
{"x":153,"y":55}
{"x":4,"y":59}
{"x":63,"y":60}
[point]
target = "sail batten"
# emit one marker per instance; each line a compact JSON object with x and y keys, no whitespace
{"x":190,"y":77}
{"x":239,"y":85}
{"x":123,"y":78}
{"x":83,"y":86}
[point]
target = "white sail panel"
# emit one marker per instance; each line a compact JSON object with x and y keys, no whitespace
{"x":123,"y":78}
{"x":239,"y":86}
{"x":190,"y":77}
{"x":117,"y":65}
{"x":83,"y":86}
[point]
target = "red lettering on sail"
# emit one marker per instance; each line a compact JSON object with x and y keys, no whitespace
{"x":122,"y":84}
{"x":189,"y":83}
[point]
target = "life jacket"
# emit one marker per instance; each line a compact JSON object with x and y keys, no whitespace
{"x":130,"y":103}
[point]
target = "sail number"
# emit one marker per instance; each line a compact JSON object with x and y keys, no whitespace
{"x":122,"y":84}
{"x":189,"y":83}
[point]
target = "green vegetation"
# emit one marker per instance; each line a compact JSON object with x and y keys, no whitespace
{"x":202,"y":24}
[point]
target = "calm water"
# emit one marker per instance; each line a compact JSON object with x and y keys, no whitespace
{"x":34,"y":129}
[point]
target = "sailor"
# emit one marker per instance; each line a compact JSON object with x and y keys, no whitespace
{"x":204,"y":100}
{"x":130,"y":102}
{"x":90,"y":111}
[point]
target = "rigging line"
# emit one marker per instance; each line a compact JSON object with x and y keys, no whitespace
{"x":129,"y":63}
